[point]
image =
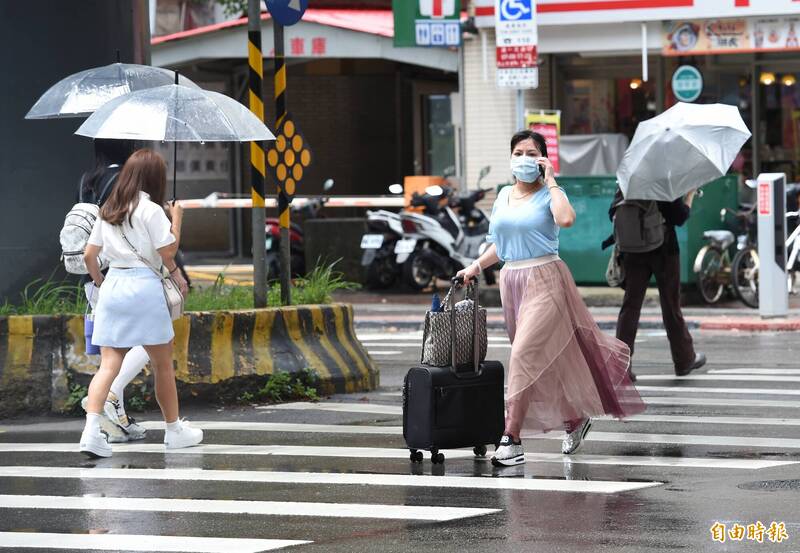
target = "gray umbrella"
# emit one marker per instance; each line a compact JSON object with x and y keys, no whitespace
{"x":80,"y":94}
{"x":175,"y":113}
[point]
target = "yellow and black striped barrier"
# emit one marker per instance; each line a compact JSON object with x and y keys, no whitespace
{"x":41,"y":355}
{"x":256,"y":76}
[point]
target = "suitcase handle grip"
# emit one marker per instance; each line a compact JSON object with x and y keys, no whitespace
{"x":476,"y":355}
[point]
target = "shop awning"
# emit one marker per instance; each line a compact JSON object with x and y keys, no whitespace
{"x":323,"y":33}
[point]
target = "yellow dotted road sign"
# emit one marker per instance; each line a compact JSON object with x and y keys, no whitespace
{"x":288,"y":157}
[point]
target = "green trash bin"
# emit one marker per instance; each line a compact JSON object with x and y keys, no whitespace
{"x":591,"y":197}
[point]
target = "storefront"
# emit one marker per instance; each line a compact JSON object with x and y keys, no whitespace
{"x":593,"y":69}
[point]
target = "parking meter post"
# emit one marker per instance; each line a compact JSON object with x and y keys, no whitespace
{"x":773,"y":292}
{"x":283,"y":199}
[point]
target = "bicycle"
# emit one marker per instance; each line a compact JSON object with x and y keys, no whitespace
{"x":715,"y":270}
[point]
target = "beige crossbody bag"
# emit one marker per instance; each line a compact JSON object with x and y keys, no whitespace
{"x":172,"y":293}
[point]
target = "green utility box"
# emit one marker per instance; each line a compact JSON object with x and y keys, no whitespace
{"x":591,"y":197}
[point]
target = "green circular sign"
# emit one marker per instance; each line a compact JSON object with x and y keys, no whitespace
{"x":687,"y":83}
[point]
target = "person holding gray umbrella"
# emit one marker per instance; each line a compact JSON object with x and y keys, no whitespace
{"x":670,"y":156}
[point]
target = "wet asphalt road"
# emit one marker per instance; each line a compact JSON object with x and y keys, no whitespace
{"x":657,"y":483}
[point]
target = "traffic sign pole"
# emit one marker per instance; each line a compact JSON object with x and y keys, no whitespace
{"x":283,"y":201}
{"x":257,"y":166}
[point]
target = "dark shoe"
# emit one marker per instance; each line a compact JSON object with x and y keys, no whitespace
{"x":699,"y":361}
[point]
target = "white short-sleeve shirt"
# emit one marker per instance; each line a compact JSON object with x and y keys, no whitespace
{"x":148,"y":231}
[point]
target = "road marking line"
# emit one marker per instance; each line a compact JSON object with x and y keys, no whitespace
{"x":409,"y":337}
{"x":703,"y":390}
{"x":359,"y":479}
{"x":419,"y":346}
{"x":756,"y":371}
{"x":383,"y":352}
{"x":687,"y":439}
{"x":689,"y":419}
{"x":721,"y":402}
{"x":227,"y":506}
{"x":135,"y":542}
{"x":721,"y":377}
{"x":375,"y":409}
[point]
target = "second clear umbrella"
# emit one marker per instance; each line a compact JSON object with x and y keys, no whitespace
{"x":175,"y":113}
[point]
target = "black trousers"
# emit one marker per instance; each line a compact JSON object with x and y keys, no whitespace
{"x":639,"y":267}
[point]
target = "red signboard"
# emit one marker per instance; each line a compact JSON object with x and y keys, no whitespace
{"x":764,"y":199}
{"x":516,"y":56}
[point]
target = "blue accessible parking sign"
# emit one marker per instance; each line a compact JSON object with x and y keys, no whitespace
{"x":287,"y":12}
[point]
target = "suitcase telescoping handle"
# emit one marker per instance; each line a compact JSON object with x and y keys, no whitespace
{"x":476,"y":355}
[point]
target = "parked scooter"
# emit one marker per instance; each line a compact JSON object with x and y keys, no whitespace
{"x":309,"y":210}
{"x":440,"y":243}
{"x":384,"y":229}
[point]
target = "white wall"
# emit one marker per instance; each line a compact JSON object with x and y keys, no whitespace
{"x":491,"y":112}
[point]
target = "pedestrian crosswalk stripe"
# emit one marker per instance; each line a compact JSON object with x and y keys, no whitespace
{"x":684,"y":439}
{"x":733,"y":402}
{"x":410,"y":337}
{"x":694,"y":419}
{"x":471,"y":482}
{"x":383,"y":352}
{"x":419,"y":345}
{"x":756,"y":371}
{"x":721,"y":377}
{"x":227,"y":506}
{"x":112,"y":542}
{"x":704,"y":390}
{"x":372,"y":408}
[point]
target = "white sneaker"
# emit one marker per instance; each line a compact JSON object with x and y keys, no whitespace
{"x":508,"y":453}
{"x":185,"y":436}
{"x":116,"y":414}
{"x":575,"y":438}
{"x":94,"y":444}
{"x":115,"y":434}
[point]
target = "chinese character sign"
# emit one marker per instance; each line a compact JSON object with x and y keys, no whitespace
{"x":517,"y":37}
{"x":725,"y":36}
{"x":427,"y":23}
{"x":548,"y":124}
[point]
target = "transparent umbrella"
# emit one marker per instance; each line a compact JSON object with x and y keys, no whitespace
{"x":683,"y":148}
{"x":175,"y":113}
{"x":80,"y":94}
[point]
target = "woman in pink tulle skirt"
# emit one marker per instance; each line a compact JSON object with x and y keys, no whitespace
{"x":564,"y":370}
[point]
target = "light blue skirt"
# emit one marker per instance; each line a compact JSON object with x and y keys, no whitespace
{"x":131,"y":310}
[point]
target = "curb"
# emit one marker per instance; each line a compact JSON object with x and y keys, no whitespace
{"x":42,"y":355}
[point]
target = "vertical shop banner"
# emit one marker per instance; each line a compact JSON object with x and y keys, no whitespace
{"x":427,"y":23}
{"x":517,"y":38}
{"x":548,"y":124}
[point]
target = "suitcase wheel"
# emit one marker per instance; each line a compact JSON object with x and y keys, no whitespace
{"x":416,"y":456}
{"x":479,"y":450}
{"x":436,"y":457}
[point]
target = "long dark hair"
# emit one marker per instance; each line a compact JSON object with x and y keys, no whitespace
{"x":535,"y":136}
{"x":106,"y":152}
{"x":145,"y":171}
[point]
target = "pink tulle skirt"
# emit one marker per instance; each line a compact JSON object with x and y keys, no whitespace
{"x":563,"y":367}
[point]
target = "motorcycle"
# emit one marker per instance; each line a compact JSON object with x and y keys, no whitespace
{"x":384,"y":229}
{"x":308,"y":210}
{"x":440,"y":242}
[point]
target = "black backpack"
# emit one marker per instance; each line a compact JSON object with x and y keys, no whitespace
{"x":638,"y":226}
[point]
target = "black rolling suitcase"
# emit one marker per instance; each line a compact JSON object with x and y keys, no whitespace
{"x":456,"y":406}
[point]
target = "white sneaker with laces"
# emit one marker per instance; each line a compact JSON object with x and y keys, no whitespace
{"x":185,"y":436}
{"x":508,"y":453}
{"x":575,"y":438}
{"x":94,"y":444}
{"x":116,"y":414}
{"x":115,"y":433}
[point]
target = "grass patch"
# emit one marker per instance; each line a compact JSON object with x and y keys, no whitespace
{"x":47,"y":297}
{"x":282,"y":386}
{"x":72,"y":405}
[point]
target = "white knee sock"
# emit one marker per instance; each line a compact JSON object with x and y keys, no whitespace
{"x":132,"y":365}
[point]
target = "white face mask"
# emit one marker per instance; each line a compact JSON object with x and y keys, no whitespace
{"x":525,"y":168}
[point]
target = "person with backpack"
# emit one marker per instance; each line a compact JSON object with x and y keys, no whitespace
{"x":134,"y":234}
{"x":644,"y":232}
{"x":94,"y":188}
{"x":563,"y":369}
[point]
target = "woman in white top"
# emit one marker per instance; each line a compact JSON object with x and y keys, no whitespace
{"x":131,"y":308}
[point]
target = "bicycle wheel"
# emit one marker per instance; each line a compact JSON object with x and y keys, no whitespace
{"x":745,"y":276}
{"x":708,"y":267}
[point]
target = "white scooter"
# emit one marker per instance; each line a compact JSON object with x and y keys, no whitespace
{"x":438,"y":244}
{"x":384,"y":229}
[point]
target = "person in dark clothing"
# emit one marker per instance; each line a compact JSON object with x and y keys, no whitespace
{"x":109,"y":157}
{"x":664,"y":264}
